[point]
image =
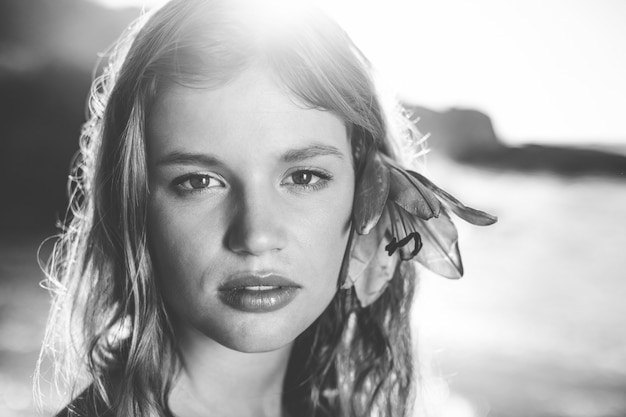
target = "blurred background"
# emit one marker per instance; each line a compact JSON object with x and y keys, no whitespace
{"x":525,"y":103}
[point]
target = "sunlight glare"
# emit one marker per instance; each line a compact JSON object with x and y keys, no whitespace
{"x":544,"y":71}
{"x":272,"y":17}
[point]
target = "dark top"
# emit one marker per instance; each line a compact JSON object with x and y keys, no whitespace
{"x":86,"y":405}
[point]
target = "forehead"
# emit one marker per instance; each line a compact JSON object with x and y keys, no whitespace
{"x":250,"y":110}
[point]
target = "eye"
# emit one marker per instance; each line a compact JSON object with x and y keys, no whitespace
{"x":304,"y":177}
{"x":198,"y":182}
{"x":307,"y":178}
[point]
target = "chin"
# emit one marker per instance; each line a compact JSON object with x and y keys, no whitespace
{"x":254,"y":333}
{"x":258,"y":346}
{"x":257,"y":340}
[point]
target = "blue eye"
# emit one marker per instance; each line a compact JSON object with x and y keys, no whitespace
{"x":198,"y":182}
{"x":308,"y":179}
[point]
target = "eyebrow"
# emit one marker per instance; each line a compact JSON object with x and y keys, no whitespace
{"x":291,"y":155}
{"x":188,"y":158}
{"x":300,"y":154}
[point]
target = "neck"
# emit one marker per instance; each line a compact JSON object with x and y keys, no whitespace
{"x":216,"y":380}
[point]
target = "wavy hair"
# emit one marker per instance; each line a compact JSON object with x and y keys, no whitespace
{"x":108,"y":320}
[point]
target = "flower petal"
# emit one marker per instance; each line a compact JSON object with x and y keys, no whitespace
{"x":440,"y":250}
{"x":376,"y":276}
{"x":364,"y":250}
{"x":411,"y":195}
{"x":470,"y":215}
{"x":371,"y":193}
{"x":405,"y":231}
{"x":371,"y":268}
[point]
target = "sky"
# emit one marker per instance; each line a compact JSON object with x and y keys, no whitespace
{"x":548,"y":71}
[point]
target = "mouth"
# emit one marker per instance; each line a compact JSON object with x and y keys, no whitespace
{"x":258,"y":293}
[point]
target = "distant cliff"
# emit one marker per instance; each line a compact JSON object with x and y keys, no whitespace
{"x":468,"y":136}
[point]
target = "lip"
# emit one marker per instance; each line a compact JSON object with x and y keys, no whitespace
{"x":258,"y":292}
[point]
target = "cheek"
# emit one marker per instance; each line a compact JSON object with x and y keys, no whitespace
{"x":179,"y":244}
{"x":327,"y":237}
{"x":331,"y":236}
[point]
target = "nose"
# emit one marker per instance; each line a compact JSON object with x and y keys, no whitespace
{"x":257,"y":226}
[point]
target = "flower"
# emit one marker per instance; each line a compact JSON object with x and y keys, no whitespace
{"x":400,"y":215}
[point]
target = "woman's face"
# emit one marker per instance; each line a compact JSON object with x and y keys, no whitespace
{"x":249,"y":209}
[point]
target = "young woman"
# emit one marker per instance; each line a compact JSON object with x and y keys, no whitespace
{"x":239,"y":223}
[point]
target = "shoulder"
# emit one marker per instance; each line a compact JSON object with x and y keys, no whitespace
{"x":87,"y":404}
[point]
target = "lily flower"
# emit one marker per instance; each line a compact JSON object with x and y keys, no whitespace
{"x":400,"y":215}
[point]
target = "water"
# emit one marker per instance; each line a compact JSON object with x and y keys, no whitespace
{"x":536,"y":327}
